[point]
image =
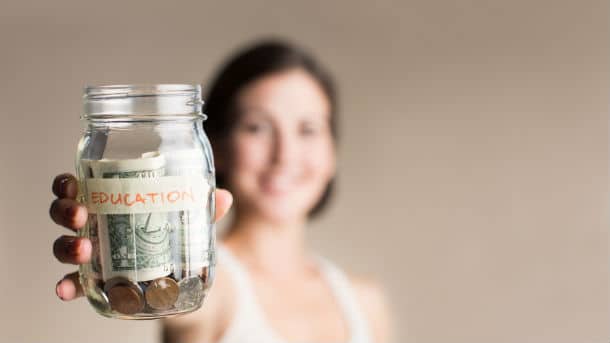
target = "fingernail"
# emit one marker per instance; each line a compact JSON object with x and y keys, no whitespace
{"x":57,"y":289}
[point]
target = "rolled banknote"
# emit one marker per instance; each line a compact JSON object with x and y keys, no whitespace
{"x":191,"y":239}
{"x":131,"y":245}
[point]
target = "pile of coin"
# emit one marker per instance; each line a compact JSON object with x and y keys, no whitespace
{"x":128,"y":297}
{"x":165,"y":293}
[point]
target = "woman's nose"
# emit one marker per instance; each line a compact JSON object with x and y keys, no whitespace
{"x":284,"y":149}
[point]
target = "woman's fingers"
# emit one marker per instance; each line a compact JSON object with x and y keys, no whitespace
{"x":69,"y":213}
{"x":73,"y":250}
{"x":64,"y":210}
{"x":224,"y":199}
{"x":65,"y":186}
{"x":69,"y":287}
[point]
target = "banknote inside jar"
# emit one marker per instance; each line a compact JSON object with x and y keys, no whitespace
{"x":151,"y":247}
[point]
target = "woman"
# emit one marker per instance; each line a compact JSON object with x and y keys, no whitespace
{"x":272,"y":123}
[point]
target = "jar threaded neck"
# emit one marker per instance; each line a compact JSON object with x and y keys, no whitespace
{"x":124,"y":102}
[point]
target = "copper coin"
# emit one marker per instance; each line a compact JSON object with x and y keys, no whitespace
{"x":162,"y":293}
{"x":117,"y":280}
{"x":125,"y":299}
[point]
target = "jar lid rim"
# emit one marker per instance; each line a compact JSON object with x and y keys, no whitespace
{"x":138,"y":90}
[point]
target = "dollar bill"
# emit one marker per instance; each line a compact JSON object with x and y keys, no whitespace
{"x":191,"y":239}
{"x":136,"y":246}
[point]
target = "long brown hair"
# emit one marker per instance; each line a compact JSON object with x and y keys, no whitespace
{"x":247,"y":65}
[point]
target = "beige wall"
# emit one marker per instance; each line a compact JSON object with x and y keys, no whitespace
{"x":474,"y":153}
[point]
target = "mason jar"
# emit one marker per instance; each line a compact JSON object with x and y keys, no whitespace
{"x":146,"y":175}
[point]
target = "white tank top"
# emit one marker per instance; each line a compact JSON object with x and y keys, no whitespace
{"x":249,"y":323}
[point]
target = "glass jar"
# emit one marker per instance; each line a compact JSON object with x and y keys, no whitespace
{"x":146,"y":175}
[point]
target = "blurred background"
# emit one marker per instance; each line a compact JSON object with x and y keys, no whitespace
{"x":473,"y":155}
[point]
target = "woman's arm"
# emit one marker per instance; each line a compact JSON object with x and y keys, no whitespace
{"x":207,"y":324}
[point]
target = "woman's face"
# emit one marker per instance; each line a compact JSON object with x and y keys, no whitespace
{"x":282,"y":154}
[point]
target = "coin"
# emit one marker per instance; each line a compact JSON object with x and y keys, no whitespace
{"x":118,"y":280}
{"x":162,"y":293}
{"x":95,"y":295}
{"x":191,"y":293}
{"x":124,"y":295}
{"x":125,"y":299}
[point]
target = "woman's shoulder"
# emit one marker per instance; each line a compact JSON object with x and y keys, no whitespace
{"x":369,"y":292}
{"x":372,"y":298}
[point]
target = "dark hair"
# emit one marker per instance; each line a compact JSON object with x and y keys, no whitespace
{"x":250,"y":64}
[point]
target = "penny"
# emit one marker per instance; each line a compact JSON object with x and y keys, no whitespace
{"x":125,"y":299}
{"x":118,"y":280}
{"x":124,"y":295}
{"x":162,"y":293}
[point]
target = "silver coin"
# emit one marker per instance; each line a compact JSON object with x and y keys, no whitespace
{"x":191,"y":293}
{"x":98,"y":299}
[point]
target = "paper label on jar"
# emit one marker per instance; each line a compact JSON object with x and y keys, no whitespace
{"x":146,"y":195}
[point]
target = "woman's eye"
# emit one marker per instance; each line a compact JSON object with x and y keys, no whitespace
{"x":309,"y":130}
{"x":255,"y":127}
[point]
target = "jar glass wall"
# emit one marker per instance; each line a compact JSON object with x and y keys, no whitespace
{"x":146,"y":175}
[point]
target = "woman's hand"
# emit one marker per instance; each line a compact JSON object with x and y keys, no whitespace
{"x":69,"y":213}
